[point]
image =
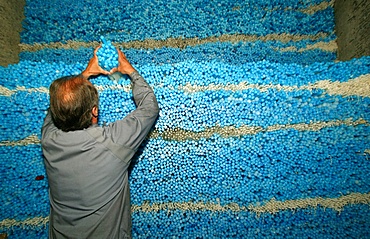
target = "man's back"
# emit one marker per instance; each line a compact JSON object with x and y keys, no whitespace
{"x":87,"y":171}
{"x":89,"y":191}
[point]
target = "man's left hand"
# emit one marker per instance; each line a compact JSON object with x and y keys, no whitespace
{"x":93,"y":67}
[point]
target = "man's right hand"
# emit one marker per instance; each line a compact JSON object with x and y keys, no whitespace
{"x":124,"y":66}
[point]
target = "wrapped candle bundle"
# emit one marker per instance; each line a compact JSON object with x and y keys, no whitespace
{"x":108,"y":58}
{"x":107,"y":55}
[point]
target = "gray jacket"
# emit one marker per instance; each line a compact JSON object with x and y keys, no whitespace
{"x":87,"y":171}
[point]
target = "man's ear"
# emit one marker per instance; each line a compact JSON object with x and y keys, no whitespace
{"x":95,"y":112}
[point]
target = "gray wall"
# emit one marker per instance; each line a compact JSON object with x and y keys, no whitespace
{"x":11,"y":16}
{"x":352,"y":26}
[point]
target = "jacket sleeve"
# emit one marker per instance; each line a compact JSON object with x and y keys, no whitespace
{"x":132,"y":130}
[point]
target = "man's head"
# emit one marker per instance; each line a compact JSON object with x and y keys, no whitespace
{"x":73,"y":103}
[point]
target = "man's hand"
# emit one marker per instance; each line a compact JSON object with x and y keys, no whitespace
{"x":124,"y":66}
{"x":93,"y":67}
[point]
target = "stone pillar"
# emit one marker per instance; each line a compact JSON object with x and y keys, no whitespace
{"x":352,"y":26}
{"x":11,"y":17}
